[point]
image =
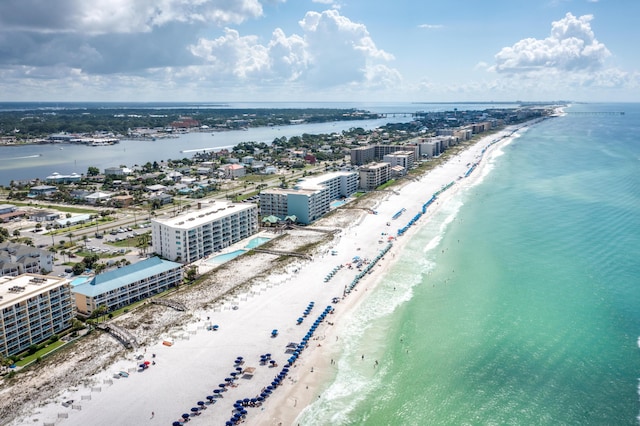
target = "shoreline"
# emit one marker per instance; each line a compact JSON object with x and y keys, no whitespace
{"x":198,"y":359}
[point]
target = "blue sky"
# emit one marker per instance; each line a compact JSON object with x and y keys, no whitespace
{"x":319,"y":50}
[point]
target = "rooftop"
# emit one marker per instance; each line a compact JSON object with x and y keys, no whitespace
{"x":207,"y":213}
{"x":17,"y":289}
{"x":117,"y":278}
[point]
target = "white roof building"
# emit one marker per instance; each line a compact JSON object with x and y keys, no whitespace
{"x":199,"y":233}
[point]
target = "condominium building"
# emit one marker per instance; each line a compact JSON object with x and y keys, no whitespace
{"x":123,"y":286}
{"x":17,"y":259}
{"x":199,"y":233}
{"x":373,"y":175}
{"x":310,"y":199}
{"x":405,"y":159}
{"x":366,"y":154}
{"x":32,"y":309}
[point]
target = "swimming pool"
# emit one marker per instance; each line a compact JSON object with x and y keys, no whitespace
{"x":222,"y":258}
{"x":79,"y":280}
{"x":257,"y":241}
{"x":337,"y":203}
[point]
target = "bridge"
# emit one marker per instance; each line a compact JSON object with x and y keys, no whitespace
{"x":595,"y":112}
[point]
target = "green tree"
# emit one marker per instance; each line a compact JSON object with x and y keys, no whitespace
{"x":93,"y":171}
{"x":143,"y":242}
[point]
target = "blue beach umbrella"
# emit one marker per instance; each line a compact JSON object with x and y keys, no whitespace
{"x":185,"y":416}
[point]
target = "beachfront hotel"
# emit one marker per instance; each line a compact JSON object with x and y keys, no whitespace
{"x":123,"y":286}
{"x":32,"y":309}
{"x":310,"y":198}
{"x":199,"y":233}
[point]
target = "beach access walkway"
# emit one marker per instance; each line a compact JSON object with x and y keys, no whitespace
{"x":178,"y":306}
{"x":284,"y":253}
{"x":122,"y":335}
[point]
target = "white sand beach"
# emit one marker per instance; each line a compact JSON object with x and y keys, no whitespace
{"x":271,"y":295}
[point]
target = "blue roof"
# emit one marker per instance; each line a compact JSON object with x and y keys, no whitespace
{"x":124,"y":276}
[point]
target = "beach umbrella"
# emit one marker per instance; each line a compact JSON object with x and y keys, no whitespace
{"x":238,"y":368}
{"x":228,"y":379}
{"x":229,"y":423}
{"x":200,"y":403}
{"x":246,"y":400}
{"x":185,"y":416}
{"x":194,"y":409}
{"x":210,"y":397}
{"x":177,"y":423}
{"x":221,"y":385}
{"x":233,"y":374}
{"x":216,"y":391}
{"x":260,"y":399}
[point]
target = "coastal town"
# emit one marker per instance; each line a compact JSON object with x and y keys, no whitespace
{"x":83,"y":254}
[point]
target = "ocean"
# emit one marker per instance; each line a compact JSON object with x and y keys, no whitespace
{"x":519,"y":302}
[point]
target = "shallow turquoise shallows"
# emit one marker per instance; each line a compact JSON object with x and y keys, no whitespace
{"x":519,"y":303}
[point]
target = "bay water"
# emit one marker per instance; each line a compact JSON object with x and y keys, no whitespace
{"x":519,"y":302}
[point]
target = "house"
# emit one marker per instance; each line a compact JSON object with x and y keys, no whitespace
{"x":232,"y":171}
{"x":122,"y":200}
{"x":98,"y":197}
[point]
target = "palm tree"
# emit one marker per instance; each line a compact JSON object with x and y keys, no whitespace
{"x":143,"y":242}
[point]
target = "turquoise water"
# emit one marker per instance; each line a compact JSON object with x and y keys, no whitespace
{"x":518,"y":304}
{"x":337,"y":203}
{"x":222,"y":258}
{"x":257,"y":241}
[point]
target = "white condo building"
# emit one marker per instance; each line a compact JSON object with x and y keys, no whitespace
{"x":311,"y":198}
{"x":32,"y":309}
{"x":199,"y":233}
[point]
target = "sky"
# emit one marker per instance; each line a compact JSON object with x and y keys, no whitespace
{"x":319,"y":50}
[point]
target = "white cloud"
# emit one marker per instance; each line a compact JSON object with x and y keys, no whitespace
{"x":431,"y":26}
{"x":572,"y":46}
{"x":331,"y":51}
{"x":121,"y":16}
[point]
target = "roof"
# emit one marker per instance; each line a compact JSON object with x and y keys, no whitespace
{"x":121,"y":277}
{"x":207,"y":213}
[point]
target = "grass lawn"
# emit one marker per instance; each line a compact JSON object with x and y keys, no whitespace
{"x":42,"y":352}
